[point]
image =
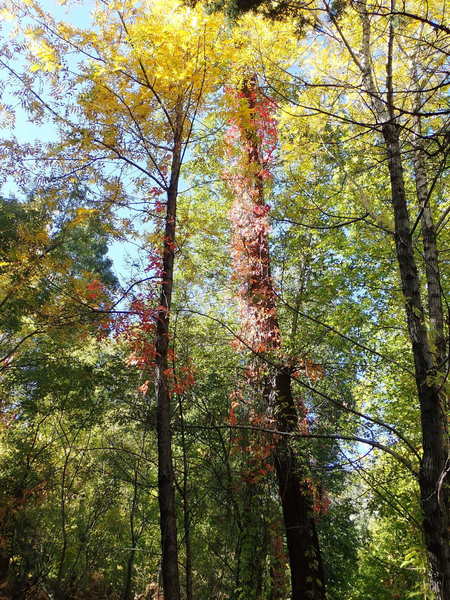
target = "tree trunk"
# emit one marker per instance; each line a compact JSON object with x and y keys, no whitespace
{"x":166,"y":487}
{"x":129,"y":575}
{"x":435,"y":461}
{"x":297,"y":500}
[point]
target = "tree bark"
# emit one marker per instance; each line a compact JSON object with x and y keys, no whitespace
{"x":166,"y":486}
{"x":297,"y":500}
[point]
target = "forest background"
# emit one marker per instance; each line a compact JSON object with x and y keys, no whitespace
{"x":224,"y":320}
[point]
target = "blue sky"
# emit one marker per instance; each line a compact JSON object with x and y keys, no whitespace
{"x":123,"y":254}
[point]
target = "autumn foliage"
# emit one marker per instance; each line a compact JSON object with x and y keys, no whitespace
{"x":250,"y":148}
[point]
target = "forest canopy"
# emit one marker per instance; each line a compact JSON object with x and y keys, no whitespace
{"x":224,"y":325}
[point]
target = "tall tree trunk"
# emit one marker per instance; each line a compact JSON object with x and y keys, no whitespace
{"x":434,"y":466}
{"x":297,"y":500}
{"x":261,"y":332}
{"x":166,"y":487}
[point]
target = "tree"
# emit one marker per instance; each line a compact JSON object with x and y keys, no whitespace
{"x":389,"y":116}
{"x":254,"y":129}
{"x":303,"y":405}
{"x":49,"y":262}
{"x":138,"y":103}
